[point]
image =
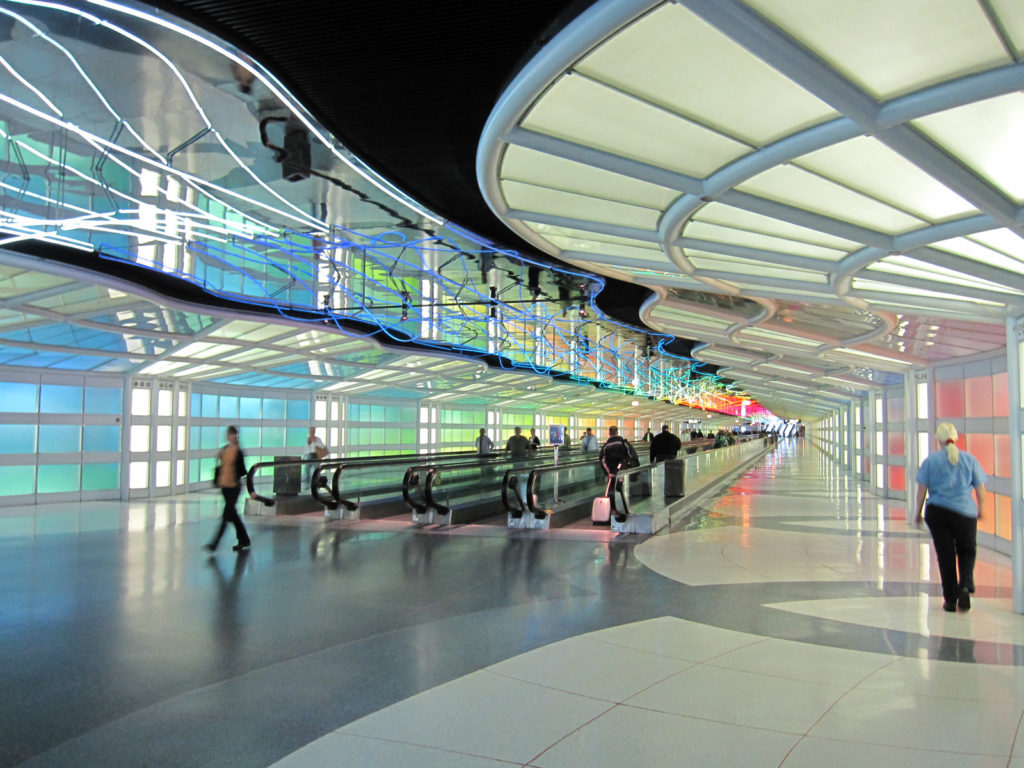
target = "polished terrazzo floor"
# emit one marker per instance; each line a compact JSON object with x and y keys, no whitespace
{"x":795,"y":621}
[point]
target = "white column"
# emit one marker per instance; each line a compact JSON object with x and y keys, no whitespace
{"x":1014,"y":339}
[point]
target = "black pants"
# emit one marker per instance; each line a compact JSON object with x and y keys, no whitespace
{"x":231,"y":516}
{"x":955,"y":537}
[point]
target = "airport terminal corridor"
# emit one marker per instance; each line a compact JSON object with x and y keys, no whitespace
{"x":795,"y":620}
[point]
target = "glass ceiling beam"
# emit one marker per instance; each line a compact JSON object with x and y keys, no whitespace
{"x":970,"y":267}
{"x":756,"y":254}
{"x":616,"y":230}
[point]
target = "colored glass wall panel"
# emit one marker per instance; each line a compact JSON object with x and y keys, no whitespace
{"x":987,"y":523}
{"x":949,"y":399}
{"x":1002,"y":462}
{"x":983,"y":449}
{"x":1000,"y":395}
{"x":896,"y":443}
{"x":898,"y":478}
{"x":978,"y":397}
{"x":1004,"y":517}
{"x":894,"y":409}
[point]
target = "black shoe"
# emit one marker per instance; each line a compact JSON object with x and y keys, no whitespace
{"x":240,"y":547}
{"x":209,"y":547}
{"x":964,"y":600}
{"x":970,"y":586}
{"x":949,"y":607}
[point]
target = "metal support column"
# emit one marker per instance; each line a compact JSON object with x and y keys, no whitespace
{"x":1014,"y":338}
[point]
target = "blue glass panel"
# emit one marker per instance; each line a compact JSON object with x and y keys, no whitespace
{"x":196,"y":407}
{"x":273,"y":408}
{"x":101,"y":477}
{"x":105,"y":400}
{"x":17,"y":438}
{"x":211,"y":438}
{"x":249,"y":408}
{"x":298,"y":410}
{"x":60,"y":438}
{"x":59,"y":478}
{"x":59,"y":398}
{"x":16,"y":397}
{"x":228,"y":407}
{"x":101,"y":437}
{"x":194,"y":443}
{"x":15,"y":481}
{"x":273,"y":437}
{"x":209,"y":407}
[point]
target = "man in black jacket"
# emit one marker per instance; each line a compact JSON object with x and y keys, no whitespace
{"x":617,"y":453}
{"x":664,"y":445}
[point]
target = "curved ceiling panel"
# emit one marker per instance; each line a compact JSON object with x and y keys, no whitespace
{"x":845,"y":177}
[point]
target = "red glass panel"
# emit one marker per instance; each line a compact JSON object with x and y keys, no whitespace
{"x":1002,"y":455}
{"x":978,"y":392}
{"x":898,"y":478}
{"x":1000,"y":395}
{"x":949,"y":399}
{"x":895,"y":443}
{"x":983,"y":449}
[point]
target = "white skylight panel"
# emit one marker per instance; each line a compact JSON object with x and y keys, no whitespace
{"x":867,"y":165}
{"x":1006,"y":241}
{"x":986,"y":136}
{"x":803,"y":189}
{"x":892,"y":48}
{"x":580,"y":110}
{"x":905,"y":265}
{"x":669,"y":317}
{"x":672,"y":57}
{"x":746,"y":268}
{"x":528,"y":165}
{"x":703,"y":231}
{"x":528,"y":197}
{"x":637,"y":251}
{"x":764,"y":334}
{"x":737,"y":218}
{"x":1011,"y":17}
{"x":969,"y":248}
{"x":907,"y":293}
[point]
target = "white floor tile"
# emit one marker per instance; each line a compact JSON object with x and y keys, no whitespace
{"x":804,"y":661}
{"x":482,"y":714}
{"x":678,"y":638}
{"x":815,"y":753}
{"x":591,"y":668}
{"x":337,"y":750}
{"x":631,"y":737}
{"x":947,"y":679}
{"x":731,"y":696}
{"x":921,"y":722}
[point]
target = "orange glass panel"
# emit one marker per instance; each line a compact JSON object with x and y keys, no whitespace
{"x":983,"y":449}
{"x":1002,"y":456}
{"x":1004,"y":517}
{"x":988,"y":522}
{"x":978,"y":394}
{"x":896,"y":443}
{"x":898,"y":478}
{"x":949,"y":399}
{"x":1000,"y":395}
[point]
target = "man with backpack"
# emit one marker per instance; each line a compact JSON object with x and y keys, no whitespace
{"x":617,"y":453}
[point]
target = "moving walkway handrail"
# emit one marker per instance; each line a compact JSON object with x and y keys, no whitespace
{"x":519,"y":510}
{"x":339,"y":464}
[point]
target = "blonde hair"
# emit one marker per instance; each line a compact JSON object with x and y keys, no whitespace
{"x":946,"y":436}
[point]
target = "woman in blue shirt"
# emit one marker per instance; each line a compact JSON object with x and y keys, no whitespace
{"x":947,"y":477}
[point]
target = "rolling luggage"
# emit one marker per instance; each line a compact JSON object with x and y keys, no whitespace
{"x":601,"y":510}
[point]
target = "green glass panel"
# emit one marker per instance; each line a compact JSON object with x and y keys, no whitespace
{"x":101,"y":437}
{"x":15,"y":481}
{"x":59,"y":478}
{"x":273,"y":408}
{"x":101,"y":477}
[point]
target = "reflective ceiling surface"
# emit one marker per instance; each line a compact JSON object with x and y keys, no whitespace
{"x":826,"y":193}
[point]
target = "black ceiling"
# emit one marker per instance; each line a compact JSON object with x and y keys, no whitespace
{"x":407,"y":86}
